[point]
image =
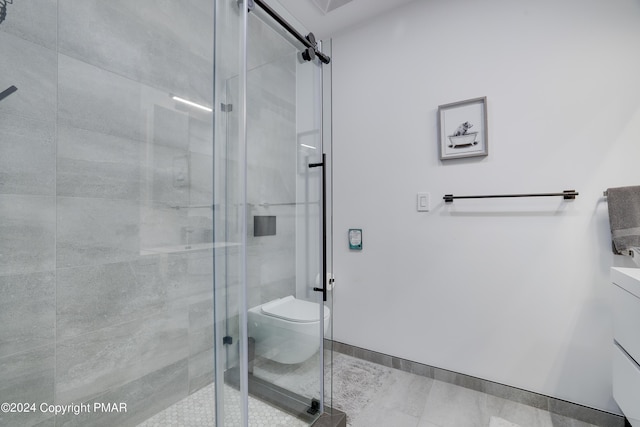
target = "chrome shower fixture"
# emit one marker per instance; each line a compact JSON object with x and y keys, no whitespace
{"x":3,"y":9}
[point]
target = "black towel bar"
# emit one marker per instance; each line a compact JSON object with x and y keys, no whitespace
{"x":566,"y":194}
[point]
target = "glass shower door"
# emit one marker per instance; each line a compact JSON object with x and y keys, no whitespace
{"x":286,"y":317}
{"x":270,"y":318}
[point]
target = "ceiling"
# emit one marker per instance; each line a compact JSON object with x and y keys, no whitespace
{"x":344,"y":14}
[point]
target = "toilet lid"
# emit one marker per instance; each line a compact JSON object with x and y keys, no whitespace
{"x":293,"y":310}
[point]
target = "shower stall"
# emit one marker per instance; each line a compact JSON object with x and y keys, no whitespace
{"x":271,"y":178}
{"x":156,"y":195}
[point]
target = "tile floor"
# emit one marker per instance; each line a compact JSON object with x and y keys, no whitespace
{"x":414,"y":401}
{"x":198,"y":410}
{"x":373,"y":395}
{"x":402,"y":399}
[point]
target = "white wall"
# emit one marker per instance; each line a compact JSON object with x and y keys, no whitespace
{"x":509,"y":290}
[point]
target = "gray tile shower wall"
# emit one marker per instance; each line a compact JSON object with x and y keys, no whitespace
{"x":27,"y":312}
{"x":145,"y":396}
{"x":96,"y":231}
{"x":94,"y":99}
{"x":27,"y":226}
{"x":93,"y":164}
{"x":189,"y":278}
{"x":271,"y":176}
{"x":102,"y":300}
{"x":36,"y":22}
{"x":90,"y":364}
{"x":201,"y":370}
{"x":28,"y":213}
{"x":95,"y":297}
{"x":32,"y":69}
{"x":167,"y":45}
{"x":27,"y":377}
{"x":28,"y":148}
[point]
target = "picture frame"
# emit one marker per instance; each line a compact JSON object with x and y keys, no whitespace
{"x":462,"y":129}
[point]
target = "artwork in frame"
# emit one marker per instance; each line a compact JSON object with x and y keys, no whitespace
{"x":462,"y":129}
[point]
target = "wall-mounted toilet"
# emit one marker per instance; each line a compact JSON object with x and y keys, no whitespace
{"x":286,"y":330}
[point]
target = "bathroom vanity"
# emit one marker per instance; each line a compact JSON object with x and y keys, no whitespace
{"x":626,"y":344}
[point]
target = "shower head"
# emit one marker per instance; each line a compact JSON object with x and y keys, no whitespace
{"x":3,"y":9}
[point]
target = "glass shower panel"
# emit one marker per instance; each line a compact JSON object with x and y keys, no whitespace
{"x":283,"y":196}
{"x":229,"y":218}
{"x":270,"y":323}
{"x":105,"y":207}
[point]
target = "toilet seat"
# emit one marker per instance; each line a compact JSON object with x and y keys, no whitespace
{"x":293,"y":310}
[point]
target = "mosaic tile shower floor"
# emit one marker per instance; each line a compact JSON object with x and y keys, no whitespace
{"x":198,"y":410}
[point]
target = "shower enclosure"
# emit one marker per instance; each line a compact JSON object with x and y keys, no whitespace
{"x":140,"y":144}
{"x":270,"y":216}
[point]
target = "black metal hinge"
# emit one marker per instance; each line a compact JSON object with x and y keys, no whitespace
{"x":315,"y":407}
{"x":227,"y":340}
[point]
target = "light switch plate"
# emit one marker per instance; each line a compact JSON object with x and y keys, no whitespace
{"x":423,"y":202}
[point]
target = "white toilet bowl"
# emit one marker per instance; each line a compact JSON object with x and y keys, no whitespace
{"x":287,"y":330}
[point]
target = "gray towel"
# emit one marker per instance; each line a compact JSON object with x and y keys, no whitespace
{"x":624,"y":217}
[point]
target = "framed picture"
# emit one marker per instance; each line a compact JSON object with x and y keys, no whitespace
{"x":462,"y":129}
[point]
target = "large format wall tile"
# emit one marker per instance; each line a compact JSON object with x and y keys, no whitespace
{"x":165,"y":157}
{"x":201,"y":222}
{"x":201,"y":190}
{"x":200,"y":327}
{"x":89,"y":364}
{"x":96,"y":231}
{"x":170,"y":127}
{"x":27,"y":377}
{"x":164,"y":227}
{"x":27,"y":156}
{"x":144,"y":397}
{"x":35,"y":21}
{"x":201,"y":134}
{"x":200,"y":344}
{"x":271,"y":133}
{"x":190,"y":278}
{"x":98,"y":100}
{"x":271,"y":260}
{"x":32,"y":69}
{"x":168,"y":45}
{"x":166,"y":175}
{"x":201,"y":370}
{"x":27,"y":234}
{"x":27,"y":312}
{"x":108,"y":324}
{"x":94,"y":297}
{"x":91,"y":164}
